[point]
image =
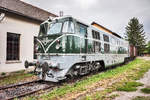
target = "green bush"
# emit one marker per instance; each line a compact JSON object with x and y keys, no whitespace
{"x":3,"y":73}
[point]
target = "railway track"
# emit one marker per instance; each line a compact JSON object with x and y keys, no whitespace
{"x":23,"y":89}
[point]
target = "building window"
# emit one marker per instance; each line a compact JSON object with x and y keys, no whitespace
{"x":13,"y":46}
{"x":35,"y":46}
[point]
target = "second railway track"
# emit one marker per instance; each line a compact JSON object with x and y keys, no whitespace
{"x":23,"y":89}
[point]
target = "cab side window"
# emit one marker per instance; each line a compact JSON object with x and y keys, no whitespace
{"x":82,"y":29}
{"x":96,"y":44}
{"x":106,"y":38}
{"x":83,"y":41}
{"x":68,"y":26}
{"x":106,"y":48}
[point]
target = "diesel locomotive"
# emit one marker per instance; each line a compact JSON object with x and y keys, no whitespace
{"x":67,"y":47}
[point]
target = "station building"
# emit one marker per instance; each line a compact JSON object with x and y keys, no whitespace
{"x":19,"y":24}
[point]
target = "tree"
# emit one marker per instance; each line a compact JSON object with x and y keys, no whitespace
{"x":135,"y":34}
{"x":148,"y":47}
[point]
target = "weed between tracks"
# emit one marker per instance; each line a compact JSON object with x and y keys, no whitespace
{"x":110,"y":80}
{"x":146,"y":90}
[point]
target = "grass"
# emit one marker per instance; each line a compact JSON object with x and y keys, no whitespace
{"x":100,"y":96}
{"x":129,"y":86}
{"x":141,"y":98}
{"x":113,"y":96}
{"x":14,"y":77}
{"x":146,"y":90}
{"x":131,"y":72}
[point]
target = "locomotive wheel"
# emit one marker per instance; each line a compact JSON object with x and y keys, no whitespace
{"x":95,"y":67}
{"x":43,"y":76}
{"x":70,"y":74}
{"x":44,"y":70}
{"x":26,"y":64}
{"x":101,"y":68}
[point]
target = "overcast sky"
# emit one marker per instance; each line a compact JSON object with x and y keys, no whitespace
{"x":113,"y":14}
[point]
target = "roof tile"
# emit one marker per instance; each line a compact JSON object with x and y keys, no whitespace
{"x":26,"y":9}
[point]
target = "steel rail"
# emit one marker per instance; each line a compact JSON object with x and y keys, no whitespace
{"x":48,"y":86}
{"x":15,"y":85}
{"x":28,"y":93}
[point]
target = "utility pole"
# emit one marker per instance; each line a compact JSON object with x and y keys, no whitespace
{"x":61,"y":13}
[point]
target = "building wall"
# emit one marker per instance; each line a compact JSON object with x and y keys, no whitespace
{"x":27,"y":30}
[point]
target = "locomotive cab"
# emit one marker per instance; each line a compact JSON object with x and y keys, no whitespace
{"x":57,"y":26}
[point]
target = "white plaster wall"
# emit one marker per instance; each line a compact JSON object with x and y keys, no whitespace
{"x":27,"y":30}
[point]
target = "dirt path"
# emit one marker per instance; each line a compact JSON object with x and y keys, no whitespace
{"x":145,"y":58}
{"x":130,"y":95}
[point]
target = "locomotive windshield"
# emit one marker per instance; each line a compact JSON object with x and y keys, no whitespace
{"x":57,"y":27}
{"x":54,"y":28}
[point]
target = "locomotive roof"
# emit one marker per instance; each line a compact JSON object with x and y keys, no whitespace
{"x":69,"y":16}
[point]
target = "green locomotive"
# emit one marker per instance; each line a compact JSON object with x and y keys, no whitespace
{"x":67,"y":47}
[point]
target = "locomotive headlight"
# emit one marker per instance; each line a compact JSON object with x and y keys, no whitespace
{"x":58,"y":44}
{"x":36,"y":48}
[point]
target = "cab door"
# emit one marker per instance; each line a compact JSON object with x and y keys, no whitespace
{"x":83,"y":40}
